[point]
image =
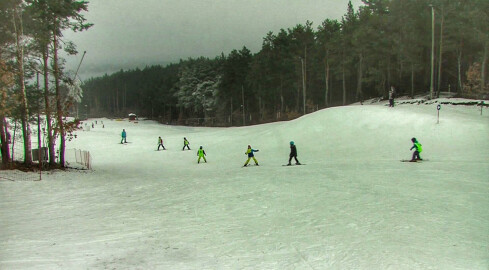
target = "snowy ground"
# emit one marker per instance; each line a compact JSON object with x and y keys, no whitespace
{"x":353,"y":206}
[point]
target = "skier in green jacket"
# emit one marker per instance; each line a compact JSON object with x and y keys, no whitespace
{"x":418,"y":149}
{"x":201,"y":154}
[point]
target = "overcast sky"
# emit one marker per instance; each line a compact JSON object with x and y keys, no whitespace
{"x":127,"y":33}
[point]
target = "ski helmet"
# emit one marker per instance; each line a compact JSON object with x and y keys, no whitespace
{"x":201,"y":147}
{"x":413,"y":139}
{"x":291,"y":142}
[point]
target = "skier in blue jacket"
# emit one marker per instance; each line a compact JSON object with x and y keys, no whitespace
{"x":250,"y":154}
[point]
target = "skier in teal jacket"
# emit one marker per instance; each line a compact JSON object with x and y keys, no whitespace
{"x":123,"y":135}
{"x":293,"y":154}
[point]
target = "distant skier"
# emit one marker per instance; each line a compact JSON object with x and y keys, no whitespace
{"x":250,"y":154}
{"x":123,"y":136}
{"x":201,"y":154}
{"x":160,"y":143}
{"x":391,"y":97}
{"x":418,"y":149}
{"x":185,"y":144}
{"x":293,"y":154}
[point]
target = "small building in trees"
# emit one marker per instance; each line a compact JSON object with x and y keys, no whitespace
{"x":133,"y":117}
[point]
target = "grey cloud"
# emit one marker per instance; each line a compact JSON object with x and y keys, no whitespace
{"x":128,"y":34}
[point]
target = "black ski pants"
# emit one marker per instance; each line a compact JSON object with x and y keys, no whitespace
{"x":295,"y":157}
{"x":416,"y":156}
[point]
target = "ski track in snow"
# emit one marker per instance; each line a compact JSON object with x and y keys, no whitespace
{"x":354,"y":206}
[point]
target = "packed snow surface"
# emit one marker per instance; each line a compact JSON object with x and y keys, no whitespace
{"x":354,"y":205}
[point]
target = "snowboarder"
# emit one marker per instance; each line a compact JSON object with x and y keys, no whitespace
{"x":418,"y":149}
{"x":293,"y":154}
{"x":123,"y":136}
{"x":185,"y":144}
{"x":160,"y":143}
{"x":201,"y":154}
{"x":391,"y":97}
{"x":250,"y":154}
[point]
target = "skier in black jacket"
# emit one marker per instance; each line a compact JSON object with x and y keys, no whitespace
{"x":293,"y":154}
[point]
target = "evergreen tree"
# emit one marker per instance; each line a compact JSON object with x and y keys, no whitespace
{"x":63,"y":15}
{"x":13,"y":10}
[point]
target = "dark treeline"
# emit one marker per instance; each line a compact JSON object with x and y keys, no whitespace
{"x":383,"y":43}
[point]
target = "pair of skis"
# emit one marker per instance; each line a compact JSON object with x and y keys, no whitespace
{"x":285,"y":165}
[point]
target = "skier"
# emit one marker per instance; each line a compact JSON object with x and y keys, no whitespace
{"x":293,"y":154}
{"x":160,"y":143}
{"x":123,"y":136}
{"x":418,"y":149}
{"x":185,"y":144}
{"x":391,"y":97}
{"x":201,"y":154}
{"x":250,"y":154}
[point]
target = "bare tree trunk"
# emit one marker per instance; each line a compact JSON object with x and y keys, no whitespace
{"x":297,"y":103}
{"x":438,"y":86}
{"x":47,"y":110}
{"x":3,"y":140}
{"x":459,"y":69}
{"x":344,"y":84}
{"x":282,"y":109}
{"x":242,"y":96}
{"x":483,"y":66}
{"x":304,"y":90}
{"x":124,"y":98}
{"x":327,"y":79}
{"x":359,"y":82}
{"x":4,"y":150}
{"x":59,"y":108}
{"x":114,"y":103}
{"x":13,"y":141}
{"x":39,"y":144}
{"x":26,"y":132}
{"x":412,"y":80}
{"x":386,"y":90}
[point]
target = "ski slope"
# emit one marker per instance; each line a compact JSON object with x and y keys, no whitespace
{"x":353,"y":206}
